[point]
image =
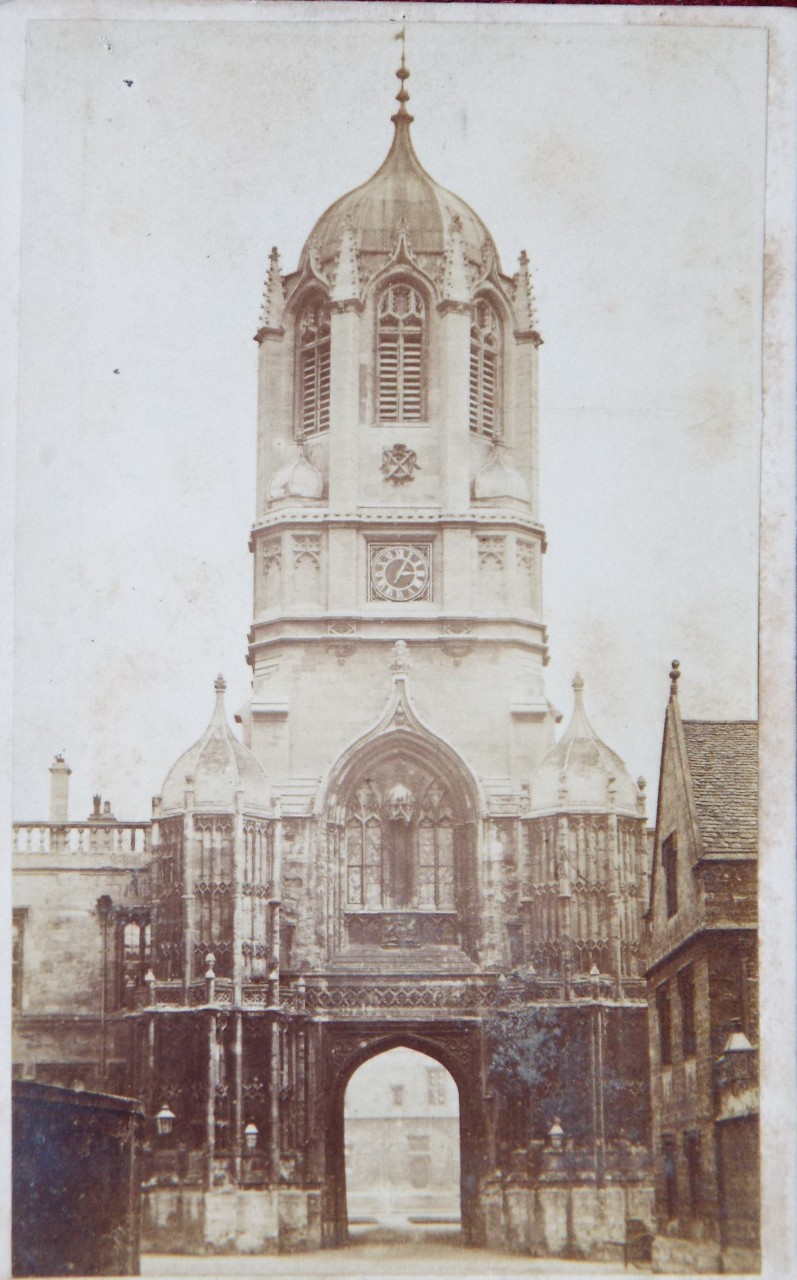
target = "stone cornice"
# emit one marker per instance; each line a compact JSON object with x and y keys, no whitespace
{"x":694,"y":939}
{"x":379,"y":623}
{"x":401,"y":516}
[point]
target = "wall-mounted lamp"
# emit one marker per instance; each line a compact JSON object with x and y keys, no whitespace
{"x":251,"y":1133}
{"x":164,"y":1120}
{"x":556,"y":1134}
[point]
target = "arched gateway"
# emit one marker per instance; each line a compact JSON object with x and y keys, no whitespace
{"x":456,"y":1049}
{"x":397,"y":853}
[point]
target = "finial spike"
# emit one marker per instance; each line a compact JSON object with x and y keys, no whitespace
{"x":675,"y":676}
{"x":220,"y":685}
{"x":403,"y":75}
{"x":578,"y":682}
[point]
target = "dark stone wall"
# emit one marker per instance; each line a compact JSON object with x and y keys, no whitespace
{"x":75,"y":1182}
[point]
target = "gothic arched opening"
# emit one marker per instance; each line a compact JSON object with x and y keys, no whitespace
{"x":402,"y":1144}
{"x":402,"y":836}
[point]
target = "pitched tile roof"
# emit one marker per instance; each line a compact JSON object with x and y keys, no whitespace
{"x":723,"y":763}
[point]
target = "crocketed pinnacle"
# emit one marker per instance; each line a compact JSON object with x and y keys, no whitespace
{"x":346,"y":284}
{"x":525,"y":304}
{"x":455,"y":275}
{"x":273,"y":295}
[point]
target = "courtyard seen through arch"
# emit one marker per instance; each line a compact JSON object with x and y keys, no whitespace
{"x":402,"y":1145}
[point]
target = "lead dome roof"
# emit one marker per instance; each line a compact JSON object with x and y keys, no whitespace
{"x":216,"y":767}
{"x":400,"y":196}
{"x":581,"y":771}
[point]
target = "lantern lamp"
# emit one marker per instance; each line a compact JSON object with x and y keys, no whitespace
{"x":556,"y":1134}
{"x":164,"y":1120}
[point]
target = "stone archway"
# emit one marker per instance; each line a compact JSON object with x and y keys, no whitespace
{"x":457,"y":1047}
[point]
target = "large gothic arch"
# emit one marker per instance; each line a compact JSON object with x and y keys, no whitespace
{"x":457,"y":1047}
{"x":401,"y":865}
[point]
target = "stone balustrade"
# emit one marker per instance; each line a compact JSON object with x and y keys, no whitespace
{"x":354,"y":994}
{"x":117,"y":839}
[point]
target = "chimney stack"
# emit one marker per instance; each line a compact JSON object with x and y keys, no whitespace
{"x":59,"y":791}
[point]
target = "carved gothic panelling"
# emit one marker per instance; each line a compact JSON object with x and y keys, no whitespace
{"x":527,"y":573}
{"x":271,"y":570}
{"x":305,"y":581}
{"x":402,"y":929}
{"x":491,"y":552}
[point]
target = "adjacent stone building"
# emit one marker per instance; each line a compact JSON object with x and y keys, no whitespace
{"x":703,"y":994}
{"x":396,"y":852}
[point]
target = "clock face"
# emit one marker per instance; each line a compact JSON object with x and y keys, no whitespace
{"x":400,"y":572}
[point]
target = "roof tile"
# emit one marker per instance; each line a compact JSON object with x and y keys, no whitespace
{"x":723,"y":763}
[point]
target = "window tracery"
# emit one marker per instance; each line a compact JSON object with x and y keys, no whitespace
{"x":399,"y":850}
{"x":400,"y":337}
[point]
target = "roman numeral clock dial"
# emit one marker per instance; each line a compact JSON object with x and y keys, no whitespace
{"x":400,"y":572}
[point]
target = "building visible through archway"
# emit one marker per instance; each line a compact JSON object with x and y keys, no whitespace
{"x":402,"y":1143}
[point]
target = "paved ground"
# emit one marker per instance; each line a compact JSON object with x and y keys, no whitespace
{"x":384,"y":1250}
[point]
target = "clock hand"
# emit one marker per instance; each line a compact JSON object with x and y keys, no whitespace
{"x":401,"y":576}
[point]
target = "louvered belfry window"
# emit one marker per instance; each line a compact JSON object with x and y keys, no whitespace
{"x":400,"y":354}
{"x":485,"y":357}
{"x":314,"y":361}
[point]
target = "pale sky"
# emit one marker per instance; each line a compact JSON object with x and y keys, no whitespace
{"x":628,"y":161}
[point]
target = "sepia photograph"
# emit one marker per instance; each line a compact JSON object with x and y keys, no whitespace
{"x":402,"y":712}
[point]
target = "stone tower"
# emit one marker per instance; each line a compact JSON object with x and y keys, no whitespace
{"x":397,"y":503}
{"x":398,"y":853}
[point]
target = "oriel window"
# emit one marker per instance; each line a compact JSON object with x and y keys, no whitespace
{"x":314,"y":369}
{"x":400,"y":348}
{"x":485,"y":361}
